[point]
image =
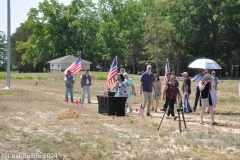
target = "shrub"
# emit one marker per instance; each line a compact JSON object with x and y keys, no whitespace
{"x":3,"y":76}
{"x":101,"y":76}
{"x":17,"y":77}
{"x":28,"y":77}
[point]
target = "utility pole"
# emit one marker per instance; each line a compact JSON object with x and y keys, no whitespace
{"x":9,"y":44}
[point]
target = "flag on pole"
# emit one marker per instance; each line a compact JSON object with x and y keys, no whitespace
{"x":167,"y":70}
{"x":75,"y":67}
{"x":79,"y":105}
{"x":112,"y":72}
{"x":141,"y":112}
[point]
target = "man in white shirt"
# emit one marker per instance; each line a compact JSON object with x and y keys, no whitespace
{"x":197,"y":78}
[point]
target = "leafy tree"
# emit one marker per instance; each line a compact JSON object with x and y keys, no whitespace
{"x":3,"y":50}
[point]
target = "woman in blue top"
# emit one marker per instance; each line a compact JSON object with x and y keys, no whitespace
{"x":121,"y":86}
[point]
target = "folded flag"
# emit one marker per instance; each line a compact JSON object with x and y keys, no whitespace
{"x":141,"y":112}
{"x":79,"y":105}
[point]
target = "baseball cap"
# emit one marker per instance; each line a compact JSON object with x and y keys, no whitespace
{"x":172,"y":72}
{"x":121,"y":69}
{"x":213,"y":72}
{"x":184,"y":73}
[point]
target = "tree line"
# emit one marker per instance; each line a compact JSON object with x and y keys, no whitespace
{"x":138,"y":32}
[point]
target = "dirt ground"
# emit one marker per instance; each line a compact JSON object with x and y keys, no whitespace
{"x":36,"y":123}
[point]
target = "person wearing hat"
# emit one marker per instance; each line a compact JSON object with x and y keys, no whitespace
{"x":69,"y":81}
{"x":197,"y":78}
{"x":186,"y":89}
{"x":86,"y":82}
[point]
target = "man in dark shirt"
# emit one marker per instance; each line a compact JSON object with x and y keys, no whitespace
{"x":186,"y":88}
{"x":146,"y":86}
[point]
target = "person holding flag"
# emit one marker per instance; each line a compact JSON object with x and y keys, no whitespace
{"x":167,"y":77}
{"x":69,"y":81}
{"x":73,"y":69}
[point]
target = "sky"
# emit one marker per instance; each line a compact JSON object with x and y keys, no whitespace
{"x":19,"y":10}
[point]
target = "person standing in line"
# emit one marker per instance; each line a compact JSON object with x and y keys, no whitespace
{"x":69,"y":81}
{"x":86,"y":82}
{"x":214,"y":91}
{"x":205,"y":86}
{"x":197,"y":78}
{"x":157,"y":94}
{"x":170,"y":93}
{"x":146,"y":87}
{"x":165,"y":105}
{"x":130,"y":91}
{"x":186,"y":89}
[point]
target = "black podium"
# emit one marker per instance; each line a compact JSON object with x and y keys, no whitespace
{"x":111,"y":105}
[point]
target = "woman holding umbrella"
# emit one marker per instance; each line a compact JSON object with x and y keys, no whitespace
{"x":205,"y":88}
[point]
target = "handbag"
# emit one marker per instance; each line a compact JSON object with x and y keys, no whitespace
{"x":205,"y":101}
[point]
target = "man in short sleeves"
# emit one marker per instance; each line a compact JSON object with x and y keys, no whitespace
{"x":146,"y":87}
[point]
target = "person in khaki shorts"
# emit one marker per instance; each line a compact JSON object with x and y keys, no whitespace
{"x":146,"y":87}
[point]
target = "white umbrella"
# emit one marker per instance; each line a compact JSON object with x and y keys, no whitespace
{"x":204,"y":64}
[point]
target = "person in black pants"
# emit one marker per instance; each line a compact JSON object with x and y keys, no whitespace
{"x":197,"y":78}
{"x":169,"y":95}
{"x":165,"y":105}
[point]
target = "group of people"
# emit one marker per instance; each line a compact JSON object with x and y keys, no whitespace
{"x":151,"y":87}
{"x":206,"y":89}
{"x":85,"y":82}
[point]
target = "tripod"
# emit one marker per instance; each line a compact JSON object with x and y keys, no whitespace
{"x":179,"y":109}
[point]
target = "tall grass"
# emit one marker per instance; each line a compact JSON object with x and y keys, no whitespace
{"x":17,"y":77}
{"x":3,"y":75}
{"x":101,"y":76}
{"x":28,"y":77}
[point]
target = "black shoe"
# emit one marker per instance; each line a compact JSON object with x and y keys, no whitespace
{"x":89,"y":102}
{"x":194,"y":109}
{"x":148,"y":114}
{"x":163,"y":109}
{"x":175,"y":118}
{"x":214,"y":123}
{"x":188,"y":112}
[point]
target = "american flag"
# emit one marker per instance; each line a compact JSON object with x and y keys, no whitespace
{"x":75,"y":67}
{"x":141,"y":112}
{"x":79,"y":105}
{"x":167,"y":70}
{"x":112,"y":72}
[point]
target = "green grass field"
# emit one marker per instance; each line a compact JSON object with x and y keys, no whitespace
{"x":30,"y":125}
